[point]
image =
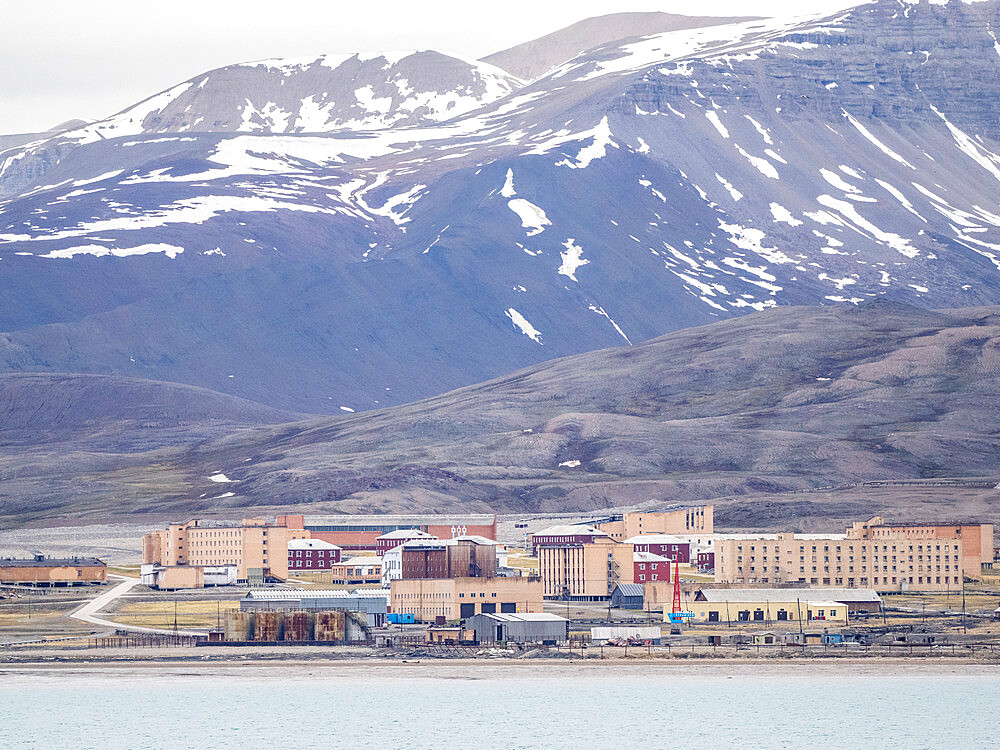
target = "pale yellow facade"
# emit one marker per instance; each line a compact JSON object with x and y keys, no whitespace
{"x":252,"y":544}
{"x":976,"y":538}
{"x":694,"y":520}
{"x":455,"y":598}
{"x":585,"y":571}
{"x":769,"y":613}
{"x":890,"y":564}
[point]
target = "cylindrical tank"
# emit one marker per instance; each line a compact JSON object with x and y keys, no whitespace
{"x":331,"y":626}
{"x":298,"y":626}
{"x":239,"y":626}
{"x":267,"y":626}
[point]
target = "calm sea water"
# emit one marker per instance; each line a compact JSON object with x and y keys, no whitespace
{"x":496,"y":708}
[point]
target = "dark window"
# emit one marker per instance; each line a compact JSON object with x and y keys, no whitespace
{"x":467,"y":610}
{"x":508,"y":606}
{"x":489,"y":608}
{"x":713,"y":616}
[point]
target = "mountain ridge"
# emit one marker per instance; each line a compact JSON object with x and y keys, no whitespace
{"x":646,"y":186}
{"x":763,"y":406}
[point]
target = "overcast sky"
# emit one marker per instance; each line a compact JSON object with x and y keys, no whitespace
{"x":62,"y":59}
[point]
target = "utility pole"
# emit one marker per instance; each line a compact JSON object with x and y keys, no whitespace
{"x":175,"y":615}
{"x":964,"y":628}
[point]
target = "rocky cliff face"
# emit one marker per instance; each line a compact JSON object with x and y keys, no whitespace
{"x":646,"y":186}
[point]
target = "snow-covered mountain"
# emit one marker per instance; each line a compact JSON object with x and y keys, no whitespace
{"x":423,"y":235}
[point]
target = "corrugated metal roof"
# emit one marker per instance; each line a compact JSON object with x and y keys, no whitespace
{"x":788,"y":595}
{"x":524,"y":617}
{"x":630,"y":589}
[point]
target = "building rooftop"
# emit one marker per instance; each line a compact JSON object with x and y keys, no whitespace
{"x":49,"y":562}
{"x":645,"y":557}
{"x":630,"y":589}
{"x":297,"y":594}
{"x":570,"y":530}
{"x":358,"y":561}
{"x":407,"y":534}
{"x":524,"y":617}
{"x":790,"y":594}
{"x":310,"y":544}
{"x":474,"y":519}
{"x":656,"y":539}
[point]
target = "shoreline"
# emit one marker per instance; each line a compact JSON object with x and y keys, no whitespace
{"x":482,"y":668}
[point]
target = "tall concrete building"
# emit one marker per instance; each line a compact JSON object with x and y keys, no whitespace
{"x":458,"y":598}
{"x":254,"y":546}
{"x":587,"y":571}
{"x":887,"y":564}
{"x":696,"y":519}
{"x":976,"y":538}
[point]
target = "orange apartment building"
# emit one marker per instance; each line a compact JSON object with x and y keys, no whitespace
{"x":458,"y":598}
{"x":976,"y":538}
{"x":697,"y":519}
{"x":885,"y":564}
{"x":253,"y":545}
{"x":587,"y":572}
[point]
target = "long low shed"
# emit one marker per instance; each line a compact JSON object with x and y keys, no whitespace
{"x":602,"y":633}
{"x":523,"y":627}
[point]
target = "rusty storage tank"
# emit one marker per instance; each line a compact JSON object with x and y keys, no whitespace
{"x":298,"y":626}
{"x":239,"y":626}
{"x":267,"y":625}
{"x":331,"y":626}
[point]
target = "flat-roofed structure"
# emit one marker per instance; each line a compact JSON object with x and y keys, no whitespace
{"x":357,"y":571}
{"x":976,"y":538}
{"x":53,"y":571}
{"x":258,"y":548}
{"x":585,"y":571}
{"x":889,"y":564}
{"x":362,"y":532}
{"x":459,"y":598}
{"x":566,"y":535}
{"x":373,"y":604}
{"x":692,"y":519}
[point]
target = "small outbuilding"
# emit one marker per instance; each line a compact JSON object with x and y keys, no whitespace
{"x":627,"y":596}
{"x":519,"y":627}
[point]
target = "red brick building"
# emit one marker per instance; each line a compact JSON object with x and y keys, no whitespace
{"x":311,"y":554}
{"x":706,"y":562}
{"x":649,"y":567}
{"x":395,"y":538}
{"x":667,"y":546}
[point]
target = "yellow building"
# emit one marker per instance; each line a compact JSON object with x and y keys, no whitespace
{"x":459,"y":598}
{"x":888,"y":564}
{"x":587,"y":572}
{"x":769,"y":606}
{"x":251,"y":545}
{"x":691,"y":520}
